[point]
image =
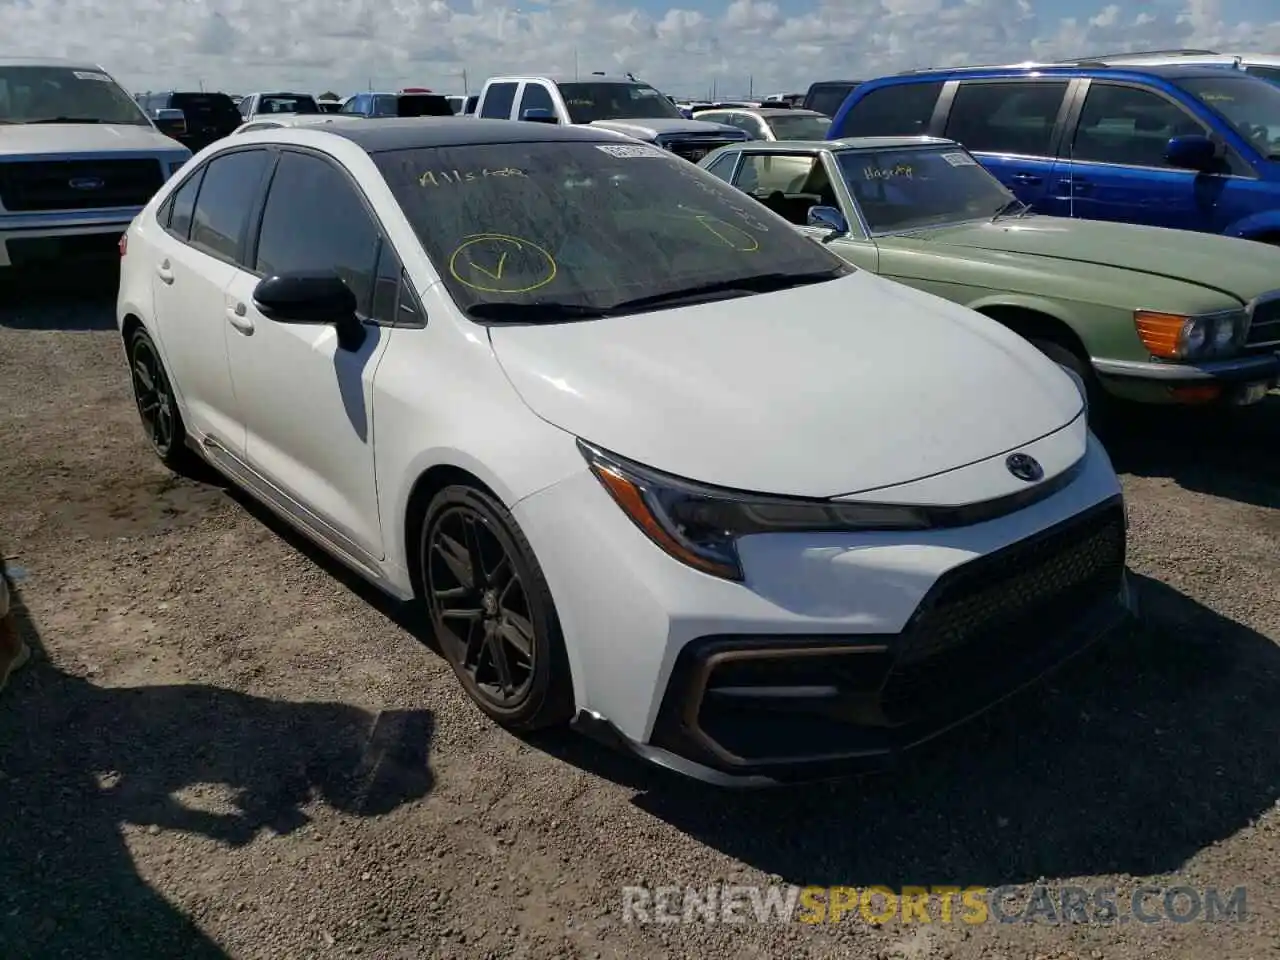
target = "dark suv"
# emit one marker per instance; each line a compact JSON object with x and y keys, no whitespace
{"x":210,"y":116}
{"x":1190,"y":147}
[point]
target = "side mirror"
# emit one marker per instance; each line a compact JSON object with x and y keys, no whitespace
{"x":315,"y":298}
{"x":538,"y":115}
{"x":1192,"y":152}
{"x":170,"y":122}
{"x":830,"y":219}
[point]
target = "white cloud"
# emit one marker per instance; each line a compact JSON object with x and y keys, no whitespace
{"x":344,"y":45}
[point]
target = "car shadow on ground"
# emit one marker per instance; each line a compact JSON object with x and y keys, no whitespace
{"x":82,"y":297}
{"x":1233,"y":454}
{"x":78,"y":761}
{"x":1131,"y":760}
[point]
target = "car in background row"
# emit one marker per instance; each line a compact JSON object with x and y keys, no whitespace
{"x":329,"y":104}
{"x":1264,"y":65}
{"x":268,"y":121}
{"x":1192,"y":147}
{"x":207,"y":116}
{"x":256,"y":104}
{"x":609,"y":422}
{"x":78,"y":159}
{"x":771,"y":123}
{"x":1138,"y":313}
{"x":402,"y":104}
{"x":620,"y":104}
{"x":827,"y":96}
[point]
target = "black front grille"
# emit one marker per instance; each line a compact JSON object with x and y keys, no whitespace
{"x":1265,"y":329}
{"x":33,"y":185}
{"x":695,"y":150}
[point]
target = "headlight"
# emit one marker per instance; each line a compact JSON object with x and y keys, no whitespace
{"x":1179,"y":336}
{"x":700,"y":526}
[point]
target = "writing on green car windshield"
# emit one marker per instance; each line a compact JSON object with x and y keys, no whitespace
{"x":441,"y":178}
{"x":904,"y":170}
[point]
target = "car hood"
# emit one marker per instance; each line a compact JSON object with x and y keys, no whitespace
{"x":1234,"y":267}
{"x":24,"y":139}
{"x":649,"y":129}
{"x":830,"y":389}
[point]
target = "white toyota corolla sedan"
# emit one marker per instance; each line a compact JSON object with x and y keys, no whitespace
{"x":650,"y":460}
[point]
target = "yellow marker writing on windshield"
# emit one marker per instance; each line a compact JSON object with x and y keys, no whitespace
{"x":536,"y":267}
{"x":731,"y":236}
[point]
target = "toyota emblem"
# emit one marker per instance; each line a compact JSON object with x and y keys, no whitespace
{"x":1024,"y":467}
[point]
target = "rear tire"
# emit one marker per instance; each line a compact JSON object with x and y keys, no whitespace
{"x":492,"y":612}
{"x":157,"y":404}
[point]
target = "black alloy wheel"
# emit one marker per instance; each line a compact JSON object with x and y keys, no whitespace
{"x":157,"y":406}
{"x":492,"y":612}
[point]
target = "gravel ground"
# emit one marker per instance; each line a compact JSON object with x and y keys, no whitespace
{"x":226,"y":747}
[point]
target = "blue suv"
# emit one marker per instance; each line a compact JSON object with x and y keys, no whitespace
{"x":1196,"y":148}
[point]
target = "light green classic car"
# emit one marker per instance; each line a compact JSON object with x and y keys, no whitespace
{"x":1139,"y":313}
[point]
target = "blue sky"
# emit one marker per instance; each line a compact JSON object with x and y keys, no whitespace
{"x":680,"y":45}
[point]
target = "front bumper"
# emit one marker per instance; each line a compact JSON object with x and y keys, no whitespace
{"x":840,"y":650}
{"x":1240,"y":379}
{"x":28,"y":239}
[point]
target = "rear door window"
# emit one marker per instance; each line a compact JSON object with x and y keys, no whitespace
{"x":227,"y":195}
{"x":828,"y":97}
{"x":498,"y":100}
{"x":1006,"y":117}
{"x":899,"y":110}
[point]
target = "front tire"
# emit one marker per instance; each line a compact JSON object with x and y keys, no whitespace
{"x":157,"y":404}
{"x":492,"y":611}
{"x":1066,"y":357}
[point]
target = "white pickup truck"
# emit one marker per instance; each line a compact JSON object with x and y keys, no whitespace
{"x":78,"y":159}
{"x":621,"y":104}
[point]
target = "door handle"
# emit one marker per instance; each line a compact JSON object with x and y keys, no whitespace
{"x":1025,"y":178}
{"x":239,"y":318}
{"x":164,"y":272}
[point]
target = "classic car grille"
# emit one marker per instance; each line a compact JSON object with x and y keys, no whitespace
{"x":695,"y":150}
{"x":987,"y":613}
{"x":32,"y":185}
{"x":1265,"y":329}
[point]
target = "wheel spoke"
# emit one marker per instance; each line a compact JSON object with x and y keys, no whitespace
{"x":144,"y":375}
{"x":461,"y":613}
{"x":477,"y":640}
{"x":498,"y":654}
{"x":472,"y":534}
{"x":518,"y":633}
{"x":163,"y":429}
{"x":455,"y":557}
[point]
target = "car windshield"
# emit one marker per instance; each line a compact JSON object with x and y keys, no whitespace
{"x":287,"y":103}
{"x":613,"y":100}
{"x":914,"y":188}
{"x":555,"y":227}
{"x":33,"y":94}
{"x":804,"y":126}
{"x":1249,"y":104}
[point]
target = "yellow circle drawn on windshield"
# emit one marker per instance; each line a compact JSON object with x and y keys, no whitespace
{"x":487,"y":255}
{"x":733,"y":237}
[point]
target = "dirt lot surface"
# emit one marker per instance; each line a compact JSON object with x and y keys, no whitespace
{"x":226,"y":747}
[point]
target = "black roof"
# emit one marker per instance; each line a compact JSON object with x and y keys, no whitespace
{"x":378,"y":135}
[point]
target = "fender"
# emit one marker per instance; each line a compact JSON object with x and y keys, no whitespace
{"x":1255,"y":225}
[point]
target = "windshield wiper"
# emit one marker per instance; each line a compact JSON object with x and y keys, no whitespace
{"x":546,"y":311}
{"x":66,"y":120}
{"x":1014,"y":206}
{"x":741,"y":286}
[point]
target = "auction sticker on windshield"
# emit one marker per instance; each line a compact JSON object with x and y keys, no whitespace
{"x":957,"y":159}
{"x":629,"y":150}
{"x":89,"y":75}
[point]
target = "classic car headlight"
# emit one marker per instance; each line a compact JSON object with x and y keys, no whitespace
{"x":700,"y":526}
{"x":1179,"y":336}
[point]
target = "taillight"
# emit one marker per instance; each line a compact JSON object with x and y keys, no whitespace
{"x":124,"y":244}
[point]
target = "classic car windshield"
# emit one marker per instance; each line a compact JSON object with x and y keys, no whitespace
{"x":1249,"y":104}
{"x":611,"y":100}
{"x":805,"y":126}
{"x":588,"y":226}
{"x":913,"y":188}
{"x":33,"y":94}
